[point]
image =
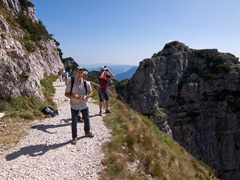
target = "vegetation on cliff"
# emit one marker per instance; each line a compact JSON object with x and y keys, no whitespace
{"x":138,"y":150}
{"x":21,"y":111}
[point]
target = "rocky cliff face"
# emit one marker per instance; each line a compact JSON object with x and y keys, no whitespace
{"x":21,"y":69}
{"x":194,"y":96}
{"x":17,"y":6}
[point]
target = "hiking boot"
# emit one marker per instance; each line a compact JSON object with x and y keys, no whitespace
{"x":107,"y":111}
{"x":100,"y":113}
{"x":74,"y":141}
{"x":89,"y":134}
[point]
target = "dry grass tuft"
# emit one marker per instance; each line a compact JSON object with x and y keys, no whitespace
{"x":11,"y":134}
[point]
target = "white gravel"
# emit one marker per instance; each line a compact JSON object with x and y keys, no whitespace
{"x":46,"y":152}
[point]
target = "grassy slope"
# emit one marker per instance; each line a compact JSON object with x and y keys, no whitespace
{"x":138,"y":150}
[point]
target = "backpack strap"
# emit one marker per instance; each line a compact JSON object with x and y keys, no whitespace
{"x":85,"y":86}
{"x":72,"y":83}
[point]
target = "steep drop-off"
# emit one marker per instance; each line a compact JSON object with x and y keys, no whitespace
{"x":194,"y":96}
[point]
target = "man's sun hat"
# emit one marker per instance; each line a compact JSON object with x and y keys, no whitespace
{"x":102,"y":68}
{"x":85,"y":72}
{"x":79,"y":68}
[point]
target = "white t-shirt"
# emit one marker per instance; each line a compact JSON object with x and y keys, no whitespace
{"x":78,"y":88}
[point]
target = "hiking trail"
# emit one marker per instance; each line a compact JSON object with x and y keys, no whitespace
{"x":46,"y":152}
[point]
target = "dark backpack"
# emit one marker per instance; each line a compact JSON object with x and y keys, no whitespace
{"x":49,"y":110}
{"x":72,"y":83}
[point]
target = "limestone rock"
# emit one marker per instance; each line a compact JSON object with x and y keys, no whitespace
{"x":21,"y":70}
{"x":199,"y":91}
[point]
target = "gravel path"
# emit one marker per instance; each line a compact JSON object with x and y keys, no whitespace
{"x":46,"y":152}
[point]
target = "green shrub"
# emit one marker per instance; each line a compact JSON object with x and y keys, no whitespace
{"x":217,"y":64}
{"x":35,"y":30}
{"x":173,"y":43}
{"x":120,"y":86}
{"x":155,"y":55}
{"x":30,"y":47}
{"x":26,"y":3}
{"x":24,"y":103}
{"x":48,"y":87}
{"x":200,"y":54}
{"x":2,"y":105}
{"x":2,"y":5}
{"x":26,"y":74}
{"x":224,"y":68}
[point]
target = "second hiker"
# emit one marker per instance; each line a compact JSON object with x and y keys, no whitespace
{"x":103,"y":92}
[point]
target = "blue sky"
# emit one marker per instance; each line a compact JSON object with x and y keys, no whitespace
{"x":128,"y":31}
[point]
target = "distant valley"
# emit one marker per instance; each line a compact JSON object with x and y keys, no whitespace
{"x":126,"y":75}
{"x":121,"y":72}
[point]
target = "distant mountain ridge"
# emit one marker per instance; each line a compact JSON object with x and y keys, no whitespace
{"x":126,"y":75}
{"x":120,"y":72}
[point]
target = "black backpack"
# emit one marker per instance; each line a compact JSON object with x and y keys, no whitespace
{"x":49,"y":110}
{"x":72,"y":83}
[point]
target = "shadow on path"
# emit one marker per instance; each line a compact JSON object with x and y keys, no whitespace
{"x":34,"y":150}
{"x":44,"y":128}
{"x":66,"y":120}
{"x":93,"y":115}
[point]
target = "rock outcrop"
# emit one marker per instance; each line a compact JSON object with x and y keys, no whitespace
{"x":21,"y":68}
{"x":18,"y":6}
{"x":194,"y":96}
